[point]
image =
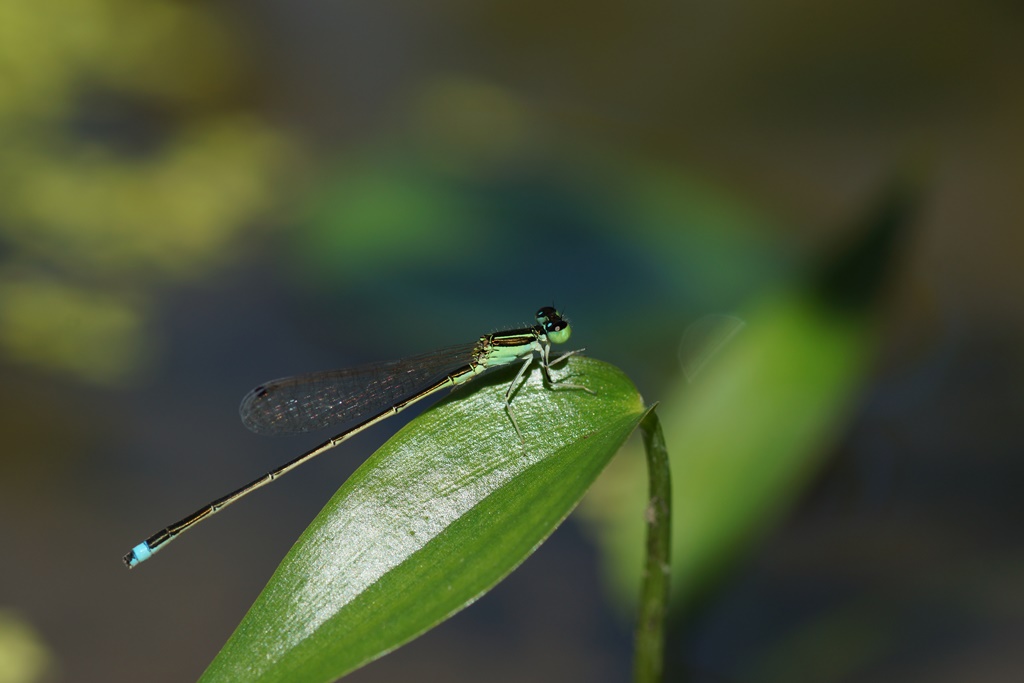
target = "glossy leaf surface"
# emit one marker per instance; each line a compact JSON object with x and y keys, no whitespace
{"x":443,"y":511}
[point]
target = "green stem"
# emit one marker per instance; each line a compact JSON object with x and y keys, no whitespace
{"x":649,"y":639}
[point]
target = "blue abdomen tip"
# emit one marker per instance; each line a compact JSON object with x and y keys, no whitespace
{"x":140,"y":553}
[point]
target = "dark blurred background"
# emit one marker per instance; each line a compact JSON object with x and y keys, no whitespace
{"x":196,"y":197}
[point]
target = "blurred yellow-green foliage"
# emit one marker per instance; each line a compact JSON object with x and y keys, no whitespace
{"x":127,"y":161}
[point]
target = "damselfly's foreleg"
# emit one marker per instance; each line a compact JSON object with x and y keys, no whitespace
{"x":562,"y":357}
{"x":545,"y":365}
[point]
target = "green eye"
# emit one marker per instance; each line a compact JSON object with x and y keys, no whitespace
{"x":558,"y":332}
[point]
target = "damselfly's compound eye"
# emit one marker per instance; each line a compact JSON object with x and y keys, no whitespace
{"x":547,"y":313}
{"x":557,"y":331}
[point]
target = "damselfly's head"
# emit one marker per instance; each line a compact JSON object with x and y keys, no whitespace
{"x":547,"y":313}
{"x":555,"y":327}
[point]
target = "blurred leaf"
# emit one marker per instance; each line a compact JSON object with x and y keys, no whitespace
{"x":174,"y":213}
{"x":115,"y":174}
{"x":747,"y":436}
{"x":742,"y":439}
{"x":443,"y":511}
{"x":97,"y":337}
{"x":750,"y":436}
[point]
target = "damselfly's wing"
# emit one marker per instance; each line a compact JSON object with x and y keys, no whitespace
{"x":346,"y":397}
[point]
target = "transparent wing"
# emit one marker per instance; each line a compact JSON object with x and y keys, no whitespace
{"x":345,"y":397}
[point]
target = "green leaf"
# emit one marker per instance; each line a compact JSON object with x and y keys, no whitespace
{"x":441,"y":513}
{"x":754,"y":428}
{"x":744,"y":439}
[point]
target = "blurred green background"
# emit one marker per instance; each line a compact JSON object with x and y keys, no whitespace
{"x":198,"y":197}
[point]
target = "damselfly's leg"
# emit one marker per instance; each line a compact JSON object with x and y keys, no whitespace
{"x":512,"y":388}
{"x":545,"y":365}
{"x":563,"y":357}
